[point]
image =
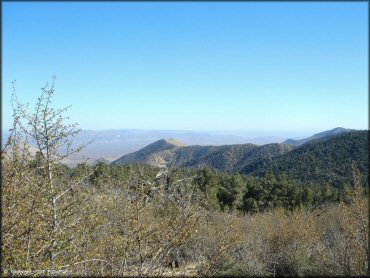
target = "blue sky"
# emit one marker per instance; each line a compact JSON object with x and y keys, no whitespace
{"x":258,"y":67}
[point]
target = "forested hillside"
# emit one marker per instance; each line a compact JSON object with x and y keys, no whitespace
{"x":327,"y":159}
{"x":320,"y":161}
{"x":227,"y":158}
{"x":233,"y":158}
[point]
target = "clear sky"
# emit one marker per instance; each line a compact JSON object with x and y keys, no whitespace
{"x":264,"y":67}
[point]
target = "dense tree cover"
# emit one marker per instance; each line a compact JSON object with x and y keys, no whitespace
{"x":233,"y":158}
{"x":228,"y":191}
{"x":321,"y":161}
{"x":258,"y":194}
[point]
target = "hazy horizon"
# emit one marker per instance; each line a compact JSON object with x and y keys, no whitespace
{"x":241,"y":133}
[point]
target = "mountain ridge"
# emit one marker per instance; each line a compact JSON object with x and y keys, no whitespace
{"x":325,"y":158}
{"x":325,"y":134}
{"x":225,"y":157}
{"x":194,"y":155}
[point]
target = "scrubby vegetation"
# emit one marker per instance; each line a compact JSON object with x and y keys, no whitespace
{"x":111,"y":220}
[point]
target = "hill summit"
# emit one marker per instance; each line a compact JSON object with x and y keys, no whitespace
{"x":158,"y":153}
{"x":174,"y":142}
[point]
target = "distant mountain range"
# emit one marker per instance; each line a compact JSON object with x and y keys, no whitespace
{"x":326,"y":156}
{"x":112,"y":144}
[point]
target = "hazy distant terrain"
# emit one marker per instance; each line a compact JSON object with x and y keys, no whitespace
{"x":112,"y":144}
